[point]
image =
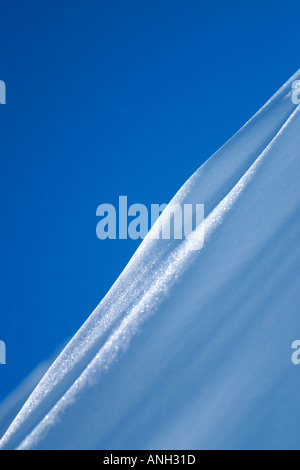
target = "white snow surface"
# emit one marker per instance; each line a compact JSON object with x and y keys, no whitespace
{"x":11,"y":406}
{"x":192,"y":349}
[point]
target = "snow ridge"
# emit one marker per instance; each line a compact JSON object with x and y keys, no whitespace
{"x":188,"y":348}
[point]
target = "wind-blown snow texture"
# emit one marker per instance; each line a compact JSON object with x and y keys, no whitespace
{"x":192,"y":349}
{"x":11,"y":406}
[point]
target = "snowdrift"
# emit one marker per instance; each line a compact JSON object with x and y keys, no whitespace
{"x":192,"y":349}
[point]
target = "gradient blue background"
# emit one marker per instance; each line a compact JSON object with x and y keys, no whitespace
{"x":109,"y":98}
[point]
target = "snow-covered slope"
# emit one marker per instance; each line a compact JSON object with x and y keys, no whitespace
{"x":11,"y":406}
{"x":192,"y":349}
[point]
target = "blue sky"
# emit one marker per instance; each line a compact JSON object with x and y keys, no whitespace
{"x":107,"y":99}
